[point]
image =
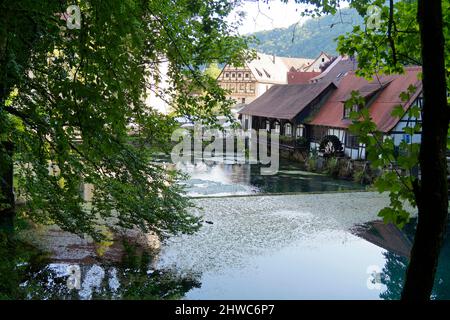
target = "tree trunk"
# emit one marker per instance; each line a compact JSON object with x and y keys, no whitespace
{"x":432,"y":193}
{"x":6,"y":187}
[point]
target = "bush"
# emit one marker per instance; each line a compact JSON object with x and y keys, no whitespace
{"x":302,"y":142}
{"x":332,"y":167}
{"x":311,"y":163}
{"x":362,"y":176}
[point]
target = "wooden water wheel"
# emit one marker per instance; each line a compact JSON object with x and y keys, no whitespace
{"x":330,"y":146}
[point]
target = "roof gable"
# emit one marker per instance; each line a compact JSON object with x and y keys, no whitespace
{"x":331,"y":113}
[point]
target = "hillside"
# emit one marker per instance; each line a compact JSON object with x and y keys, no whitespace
{"x":309,"y":39}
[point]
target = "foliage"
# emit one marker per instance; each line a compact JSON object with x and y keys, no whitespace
{"x":385,"y":50}
{"x":17,"y":262}
{"x":381,"y":153}
{"x":360,"y":175}
{"x":332,"y":167}
{"x":311,"y":162}
{"x":213,"y":70}
{"x":69,"y":98}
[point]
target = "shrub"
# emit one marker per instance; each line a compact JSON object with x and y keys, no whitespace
{"x":332,"y":167}
{"x":362,"y":176}
{"x":311,"y":163}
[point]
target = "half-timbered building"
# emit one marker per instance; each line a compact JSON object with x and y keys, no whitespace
{"x":329,"y":126}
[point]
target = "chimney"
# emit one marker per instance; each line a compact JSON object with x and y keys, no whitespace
{"x":273,"y":58}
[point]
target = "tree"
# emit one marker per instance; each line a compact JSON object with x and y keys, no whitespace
{"x":68,"y":98}
{"x":409,"y":32}
{"x":213,"y":70}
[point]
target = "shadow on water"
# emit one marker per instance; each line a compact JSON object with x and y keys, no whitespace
{"x":26,"y":273}
{"x":398,"y":244}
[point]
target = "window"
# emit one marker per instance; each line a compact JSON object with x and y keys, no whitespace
{"x":406,"y":138}
{"x":233,"y":75}
{"x":267,"y":74}
{"x":246,"y":124}
{"x":247,"y":75}
{"x":243,"y":100}
{"x":347,"y":110}
{"x":239,"y":75}
{"x":259,"y":72}
{"x":242,"y":87}
{"x":252,"y":87}
{"x":227,"y":75}
{"x":323,"y":59}
{"x":299,"y":131}
{"x":277,"y":128}
{"x":351,"y":141}
{"x":288,"y":129}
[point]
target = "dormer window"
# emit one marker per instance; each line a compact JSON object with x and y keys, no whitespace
{"x":349,"y":110}
{"x":366,"y":93}
{"x":267,"y":74}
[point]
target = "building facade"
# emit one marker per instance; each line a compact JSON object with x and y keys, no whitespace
{"x":254,"y":78}
{"x":316,"y":112}
{"x":329,"y":126}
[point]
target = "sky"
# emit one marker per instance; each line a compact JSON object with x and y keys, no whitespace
{"x":266,"y":16}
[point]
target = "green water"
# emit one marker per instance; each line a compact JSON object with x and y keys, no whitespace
{"x":227,"y":178}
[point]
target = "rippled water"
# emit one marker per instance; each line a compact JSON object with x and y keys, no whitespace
{"x":281,"y":247}
{"x":294,"y":246}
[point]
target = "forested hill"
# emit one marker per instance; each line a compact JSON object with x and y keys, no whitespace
{"x":308,"y":39}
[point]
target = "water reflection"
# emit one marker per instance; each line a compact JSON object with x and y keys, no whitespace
{"x":398,"y":244}
{"x":226,"y":177}
{"x":280,"y":247}
{"x":109,"y":282}
{"x":26,"y":273}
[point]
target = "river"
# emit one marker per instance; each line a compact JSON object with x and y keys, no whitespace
{"x":293,"y":235}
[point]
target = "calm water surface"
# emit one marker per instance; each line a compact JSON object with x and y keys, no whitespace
{"x":225,"y":177}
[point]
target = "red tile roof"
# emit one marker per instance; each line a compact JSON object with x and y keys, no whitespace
{"x":331,"y":113}
{"x":300,"y":77}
